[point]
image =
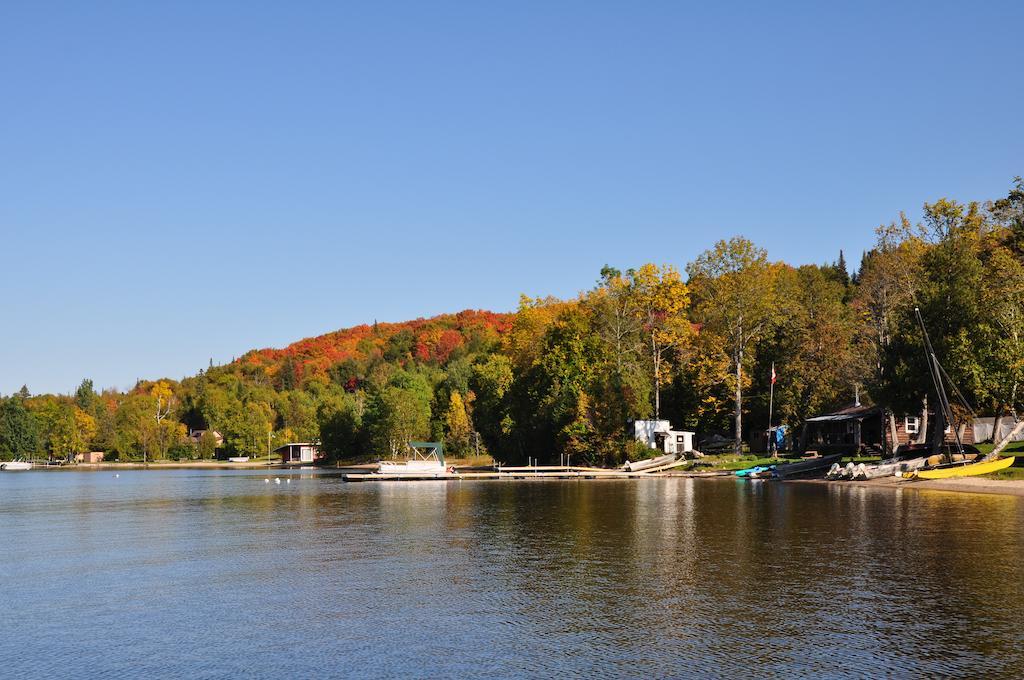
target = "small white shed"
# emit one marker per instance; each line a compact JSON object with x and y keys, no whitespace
{"x":658,"y":434}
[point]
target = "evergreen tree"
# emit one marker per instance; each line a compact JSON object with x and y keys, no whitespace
{"x":19,"y":432}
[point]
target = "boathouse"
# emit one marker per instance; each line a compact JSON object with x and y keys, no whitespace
{"x":867,"y":429}
{"x":299,"y":452}
{"x":91,"y":457}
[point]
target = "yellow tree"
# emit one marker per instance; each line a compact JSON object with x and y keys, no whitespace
{"x":84,"y":431}
{"x":456,"y":423}
{"x":162,"y":433}
{"x":734,"y":296}
{"x":661,"y":300}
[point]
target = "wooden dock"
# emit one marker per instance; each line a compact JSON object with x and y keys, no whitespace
{"x":522,"y":472}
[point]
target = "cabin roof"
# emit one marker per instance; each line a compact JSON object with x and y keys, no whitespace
{"x":851,"y":412}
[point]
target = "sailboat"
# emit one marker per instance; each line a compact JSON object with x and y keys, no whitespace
{"x":959,"y":464}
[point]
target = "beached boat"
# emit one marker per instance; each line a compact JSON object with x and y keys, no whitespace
{"x":961,"y":469}
{"x":962,"y":463}
{"x":887,"y":468}
{"x":884,"y":468}
{"x":238,"y":459}
{"x":15,"y":465}
{"x":649,"y":463}
{"x":425,"y":459}
{"x":798,"y":469}
{"x":749,"y":472}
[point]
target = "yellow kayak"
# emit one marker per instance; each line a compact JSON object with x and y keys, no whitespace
{"x":967,"y":470}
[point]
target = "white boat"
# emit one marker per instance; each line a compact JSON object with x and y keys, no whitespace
{"x":649,"y":463}
{"x":883,"y":468}
{"x":15,"y":465}
{"x":888,"y":468}
{"x":426,"y":459}
{"x":238,"y":459}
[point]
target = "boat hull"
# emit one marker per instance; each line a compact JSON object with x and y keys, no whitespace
{"x":15,"y":466}
{"x":966,"y":470}
{"x":650,"y":463}
{"x":888,"y":468}
{"x":801,"y":468}
{"x":750,"y":472}
{"x":412,"y":467}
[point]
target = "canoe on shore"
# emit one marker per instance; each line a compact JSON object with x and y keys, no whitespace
{"x":885,"y":468}
{"x":750,"y":472}
{"x":803,"y":467}
{"x":961,"y":469}
{"x":649,"y":463}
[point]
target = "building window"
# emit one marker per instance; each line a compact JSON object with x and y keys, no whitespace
{"x":912,"y":425}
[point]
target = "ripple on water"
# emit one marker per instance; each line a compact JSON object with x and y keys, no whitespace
{"x":216,"y":574}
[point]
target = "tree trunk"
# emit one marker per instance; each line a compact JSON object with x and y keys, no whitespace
{"x":996,"y":424}
{"x":893,"y":433}
{"x":922,"y":432}
{"x":738,"y":448}
{"x":1009,"y":438}
{"x":657,"y":378}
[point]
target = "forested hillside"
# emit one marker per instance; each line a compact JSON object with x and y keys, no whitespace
{"x":565,"y":376}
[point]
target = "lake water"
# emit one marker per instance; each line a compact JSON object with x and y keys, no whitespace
{"x":195,"y":574}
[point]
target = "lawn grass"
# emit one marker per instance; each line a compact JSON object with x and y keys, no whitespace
{"x":732,"y":462}
{"x":1013,"y":449}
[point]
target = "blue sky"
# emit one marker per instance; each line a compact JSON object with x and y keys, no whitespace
{"x":186,"y":181}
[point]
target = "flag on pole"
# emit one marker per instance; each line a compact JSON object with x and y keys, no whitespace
{"x":773,"y":372}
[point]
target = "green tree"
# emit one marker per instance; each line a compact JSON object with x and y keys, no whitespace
{"x":397,"y":415}
{"x":85,"y":395}
{"x":340,"y":422}
{"x":19,"y":432}
{"x":490,"y":382}
{"x":813,"y":346}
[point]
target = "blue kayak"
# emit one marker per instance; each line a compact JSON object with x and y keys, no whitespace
{"x":754,"y":470}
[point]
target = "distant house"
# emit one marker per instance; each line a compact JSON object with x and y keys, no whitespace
{"x":299,"y":452}
{"x":196,"y":435}
{"x":658,"y":434}
{"x":91,"y":457}
{"x":865,"y":429}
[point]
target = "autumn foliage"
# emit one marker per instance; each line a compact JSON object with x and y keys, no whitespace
{"x":431,"y":341}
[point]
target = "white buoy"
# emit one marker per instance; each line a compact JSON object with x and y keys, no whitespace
{"x":287,"y":481}
{"x":277,"y":480}
{"x":116,"y":475}
{"x":267,"y":480}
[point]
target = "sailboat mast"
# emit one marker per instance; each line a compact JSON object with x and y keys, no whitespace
{"x":935,"y":370}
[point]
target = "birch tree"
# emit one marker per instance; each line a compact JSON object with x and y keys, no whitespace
{"x":734,"y":298}
{"x":661,"y":301}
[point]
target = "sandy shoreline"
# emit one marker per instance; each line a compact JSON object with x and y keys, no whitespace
{"x":1005,"y":487}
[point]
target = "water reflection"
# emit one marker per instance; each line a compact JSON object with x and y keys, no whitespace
{"x":175,"y":572}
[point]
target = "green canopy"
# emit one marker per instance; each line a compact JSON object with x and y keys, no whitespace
{"x":435,"y":448}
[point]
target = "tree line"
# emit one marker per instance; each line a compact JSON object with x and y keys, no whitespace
{"x":564,"y":377}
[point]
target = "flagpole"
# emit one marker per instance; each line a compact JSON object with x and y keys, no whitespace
{"x":771,"y":404}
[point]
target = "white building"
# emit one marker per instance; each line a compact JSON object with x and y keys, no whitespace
{"x":658,"y":434}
